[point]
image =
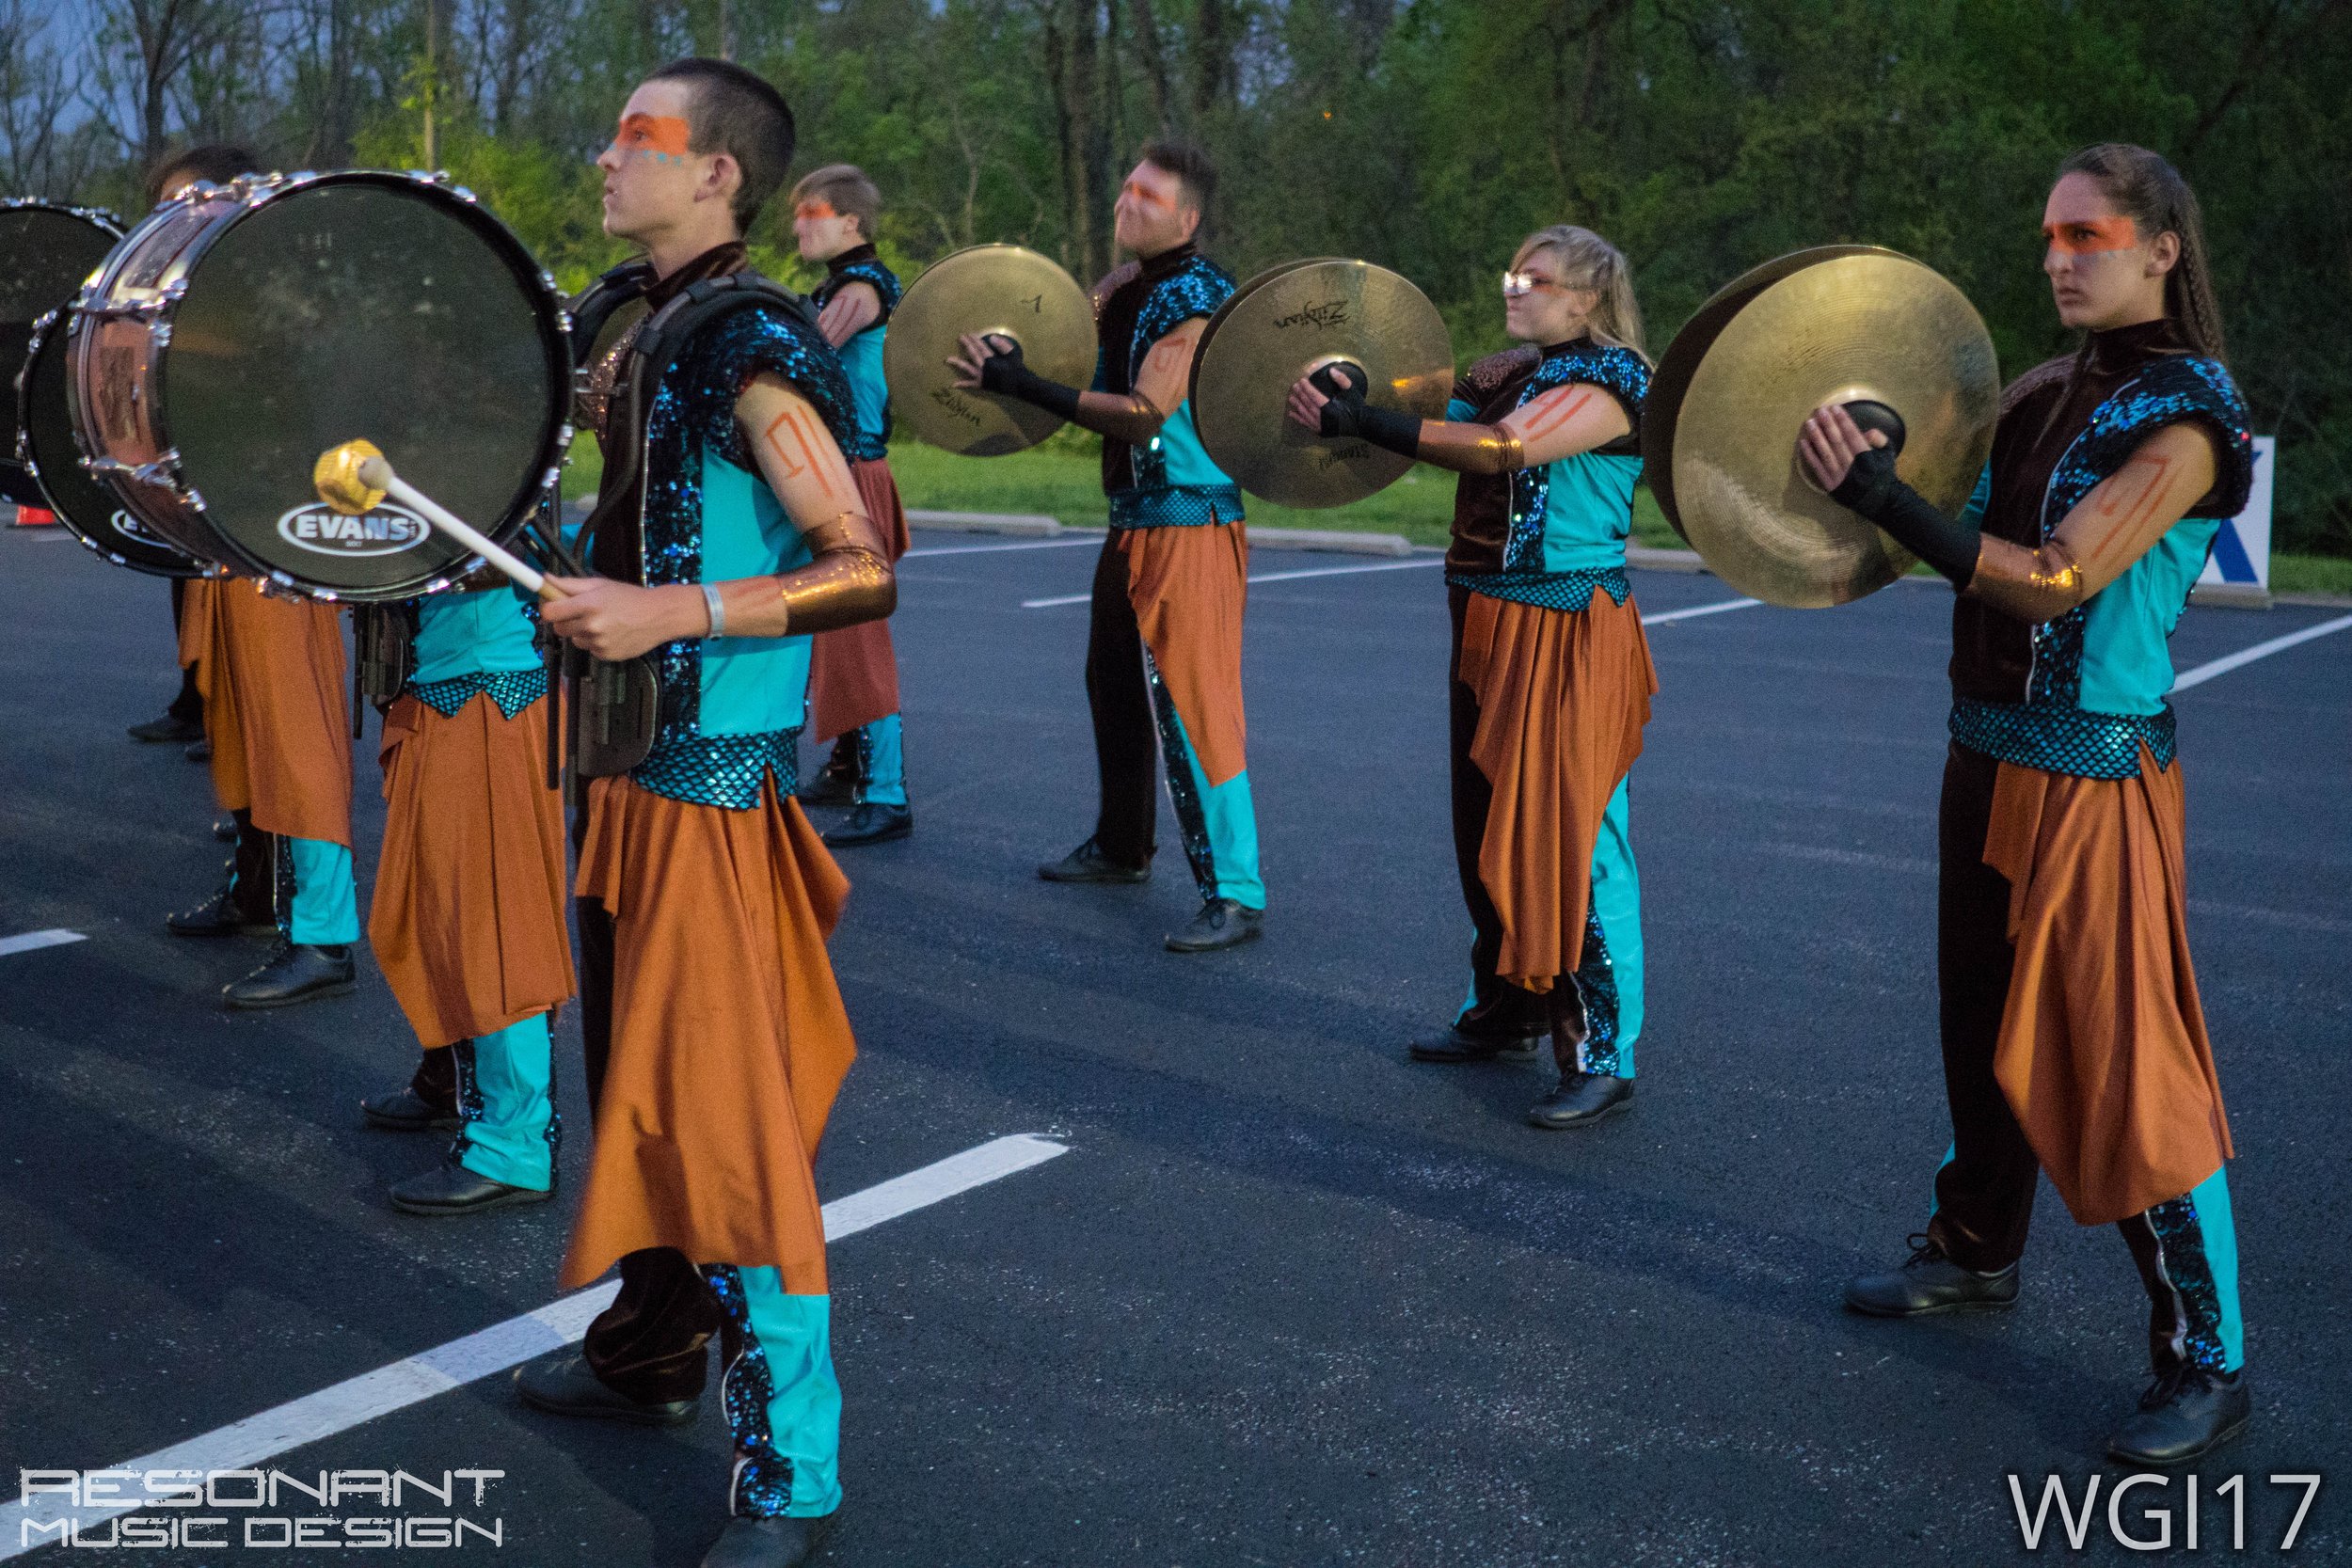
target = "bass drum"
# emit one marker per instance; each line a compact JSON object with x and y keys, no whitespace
{"x":46,"y":446}
{"x":47,"y":252}
{"x":242,"y":330}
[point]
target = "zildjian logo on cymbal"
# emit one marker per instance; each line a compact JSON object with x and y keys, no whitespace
{"x":945,"y":397}
{"x":1330,"y":312}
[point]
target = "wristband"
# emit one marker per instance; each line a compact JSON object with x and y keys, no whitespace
{"x":718,"y":607}
{"x":1872,"y":491}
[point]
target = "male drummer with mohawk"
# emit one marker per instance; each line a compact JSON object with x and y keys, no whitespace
{"x":705,"y":897}
{"x":1165,"y":641}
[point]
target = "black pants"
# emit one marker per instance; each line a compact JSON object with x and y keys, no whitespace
{"x":651,"y":1343}
{"x":1126,"y":744}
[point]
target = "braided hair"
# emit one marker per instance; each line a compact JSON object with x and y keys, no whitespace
{"x":2146,"y":189}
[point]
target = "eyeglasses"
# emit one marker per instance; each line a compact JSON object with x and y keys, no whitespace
{"x":1514,"y":284}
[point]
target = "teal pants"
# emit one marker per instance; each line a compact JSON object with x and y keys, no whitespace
{"x":1219,"y":823}
{"x":877,"y":760}
{"x":325,"y":910}
{"x":782,"y":1399}
{"x":508,"y":1130}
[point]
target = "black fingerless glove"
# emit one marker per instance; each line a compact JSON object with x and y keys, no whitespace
{"x":1004,"y":372}
{"x":1872,"y":491}
{"x":1348,"y":416}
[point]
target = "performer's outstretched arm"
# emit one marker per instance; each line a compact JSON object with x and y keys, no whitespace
{"x":993,"y":364}
{"x":848,"y":581}
{"x":2096,"y":543}
{"x":1559,"y":423}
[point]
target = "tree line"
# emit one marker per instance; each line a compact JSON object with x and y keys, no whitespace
{"x":1429,"y":136}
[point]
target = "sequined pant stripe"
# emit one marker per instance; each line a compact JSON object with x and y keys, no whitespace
{"x":783,"y":1401}
{"x":508,"y":1130}
{"x":1219,"y":825}
{"x":2186,"y":1250}
{"x":1609,"y":977}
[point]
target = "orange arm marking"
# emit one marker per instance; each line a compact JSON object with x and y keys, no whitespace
{"x":795,"y":423}
{"x":1559,"y":407}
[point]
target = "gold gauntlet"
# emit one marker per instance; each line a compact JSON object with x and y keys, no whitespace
{"x":1471,"y":449}
{"x":1128,"y":417}
{"x":849,"y":582}
{"x":2032,"y":585}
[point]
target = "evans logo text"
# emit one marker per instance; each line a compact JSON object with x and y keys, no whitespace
{"x":387,"y":530}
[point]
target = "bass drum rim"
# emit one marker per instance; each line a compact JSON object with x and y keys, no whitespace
{"x":540,"y":291}
{"x":50,"y":336}
{"x":16,"y":473}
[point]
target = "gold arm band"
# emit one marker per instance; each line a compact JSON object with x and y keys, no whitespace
{"x":1471,"y":449}
{"x":850,"y":580}
{"x":2032,"y":585}
{"x":1128,"y":417}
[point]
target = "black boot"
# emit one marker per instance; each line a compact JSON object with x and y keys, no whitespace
{"x":835,"y":784}
{"x":871,"y":824}
{"x":563,"y":1384}
{"x":1222,"y":923}
{"x":200,"y":751}
{"x":1929,"y":1282}
{"x":1455,"y":1044}
{"x":779,"y":1542}
{"x":449,"y":1188}
{"x":2185,"y":1413}
{"x":1087,"y":864}
{"x":170,"y":727}
{"x":299,"y":972}
{"x":221,"y":916}
{"x":403,"y":1110}
{"x":1582,"y":1100}
{"x":224,"y":828}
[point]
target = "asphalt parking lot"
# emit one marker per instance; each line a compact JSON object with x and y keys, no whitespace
{"x":1287,"y":1298}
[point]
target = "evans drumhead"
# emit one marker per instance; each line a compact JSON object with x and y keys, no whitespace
{"x":242,"y":330}
{"x":46,"y":446}
{"x":46,"y":253}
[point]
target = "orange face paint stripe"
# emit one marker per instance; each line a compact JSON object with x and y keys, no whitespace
{"x":664,"y":139}
{"x":2089,"y":236}
{"x":815,"y":212}
{"x":1149,"y":197}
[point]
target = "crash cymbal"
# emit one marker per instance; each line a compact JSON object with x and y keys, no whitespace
{"x":988,"y":288}
{"x":1664,"y":403}
{"x":1249,"y":288}
{"x":1290,"y":322}
{"x":1867,"y":327}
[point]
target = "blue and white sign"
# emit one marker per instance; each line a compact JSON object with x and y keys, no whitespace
{"x":2241,"y":551}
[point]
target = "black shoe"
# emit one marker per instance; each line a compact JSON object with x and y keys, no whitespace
{"x":1222,"y":923}
{"x":832,"y":787}
{"x":2185,"y":1413}
{"x":871,"y":824}
{"x":563,"y":1384}
{"x":1452,"y":1045}
{"x":1582,"y":1100}
{"x":779,"y":1542}
{"x":405,"y":1111}
{"x":1927,"y":1283}
{"x":170,"y":727}
{"x":1087,"y":864}
{"x":218,"y":916}
{"x":449,"y":1188}
{"x":224,"y":828}
{"x":200,"y":751}
{"x":298,"y":973}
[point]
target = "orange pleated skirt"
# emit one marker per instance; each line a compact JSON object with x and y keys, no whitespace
{"x":2103,"y":1052}
{"x":853,"y":671}
{"x":729,"y":1038}
{"x":468,"y":917}
{"x":1189,"y":587}
{"x":1562,"y":699}
{"x":273,"y":676}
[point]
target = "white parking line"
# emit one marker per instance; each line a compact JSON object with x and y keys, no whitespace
{"x":244,"y":1445}
{"x":32,"y":939}
{"x":2205,"y":672}
{"x":1024,"y":545}
{"x":1716,"y":608}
